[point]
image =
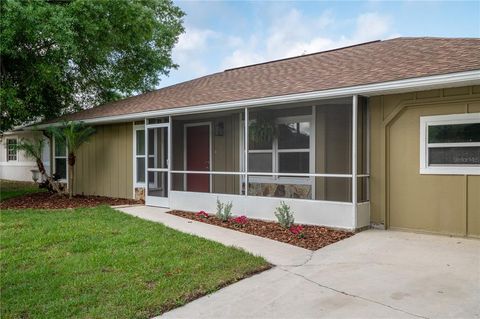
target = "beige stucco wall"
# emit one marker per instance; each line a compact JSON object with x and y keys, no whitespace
{"x":20,"y":169}
{"x":400,"y":196}
{"x":104,"y":165}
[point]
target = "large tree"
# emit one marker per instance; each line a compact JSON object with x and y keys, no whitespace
{"x":62,"y":56}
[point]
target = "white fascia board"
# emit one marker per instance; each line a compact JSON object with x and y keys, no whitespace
{"x":400,"y":86}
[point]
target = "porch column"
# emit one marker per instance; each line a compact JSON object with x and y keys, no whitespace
{"x":354,"y":157}
{"x":245,"y":138}
{"x":169,"y":162}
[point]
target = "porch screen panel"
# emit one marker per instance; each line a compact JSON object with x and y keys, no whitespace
{"x":212,"y":187}
{"x":337,"y":189}
{"x":333,"y":149}
{"x":157,"y":156}
{"x":158,"y":184}
{"x":218,"y":148}
{"x":333,"y":137}
{"x":281,"y":142}
{"x":363,"y":169}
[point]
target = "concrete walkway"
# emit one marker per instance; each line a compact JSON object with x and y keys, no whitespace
{"x":274,"y":252}
{"x":374,"y":274}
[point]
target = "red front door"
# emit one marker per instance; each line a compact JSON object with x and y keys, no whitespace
{"x":198,"y":157}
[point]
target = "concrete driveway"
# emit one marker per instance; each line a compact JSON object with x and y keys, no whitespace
{"x":374,"y":274}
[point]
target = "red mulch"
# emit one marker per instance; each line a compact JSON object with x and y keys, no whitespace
{"x":314,"y":237}
{"x":45,"y":200}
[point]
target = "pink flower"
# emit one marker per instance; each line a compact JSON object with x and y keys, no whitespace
{"x":240,"y":220}
{"x":201,"y":214}
{"x":296,"y":230}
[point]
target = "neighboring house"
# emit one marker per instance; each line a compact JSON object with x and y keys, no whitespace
{"x":14,"y":164}
{"x":385,"y":132}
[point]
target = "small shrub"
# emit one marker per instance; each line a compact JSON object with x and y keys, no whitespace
{"x":284,"y":215}
{"x":224,"y":211}
{"x":239,"y":221}
{"x":202,"y":214}
{"x":219,"y":207}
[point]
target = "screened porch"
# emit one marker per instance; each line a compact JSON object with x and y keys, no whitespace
{"x":314,"y":156}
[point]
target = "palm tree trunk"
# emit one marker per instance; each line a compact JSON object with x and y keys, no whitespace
{"x":52,"y":183}
{"x":71,"y":164}
{"x":70,"y":181}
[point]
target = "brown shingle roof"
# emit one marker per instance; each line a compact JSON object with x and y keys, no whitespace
{"x":367,"y":63}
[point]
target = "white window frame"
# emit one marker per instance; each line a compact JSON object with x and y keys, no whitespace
{"x":275,"y":151}
{"x":136,"y":128}
{"x":63,"y":180}
{"x":425,"y":122}
{"x":7,"y":148}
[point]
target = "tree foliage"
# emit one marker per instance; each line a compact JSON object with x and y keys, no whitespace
{"x":62,"y":56}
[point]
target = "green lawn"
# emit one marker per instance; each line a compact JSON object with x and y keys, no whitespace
{"x":100,"y":263}
{"x":9,"y":189}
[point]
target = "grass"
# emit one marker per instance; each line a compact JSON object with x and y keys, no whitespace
{"x":100,"y":263}
{"x":9,"y":189}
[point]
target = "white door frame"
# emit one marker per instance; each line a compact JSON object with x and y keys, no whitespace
{"x":156,"y":200}
{"x":210,"y":164}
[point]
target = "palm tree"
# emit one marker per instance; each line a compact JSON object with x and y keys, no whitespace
{"x":73,"y":134}
{"x":33,"y":149}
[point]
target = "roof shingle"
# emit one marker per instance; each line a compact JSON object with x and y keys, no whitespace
{"x":372,"y":62}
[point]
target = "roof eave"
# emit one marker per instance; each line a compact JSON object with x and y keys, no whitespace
{"x":391,"y":87}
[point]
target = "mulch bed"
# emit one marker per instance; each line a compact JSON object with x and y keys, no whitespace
{"x":314,"y":237}
{"x":45,"y":200}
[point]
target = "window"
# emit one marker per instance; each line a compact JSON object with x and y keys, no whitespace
{"x":450,"y":144}
{"x":287,"y":151}
{"x":293,"y":146}
{"x":140,"y":155}
{"x":60,"y":157}
{"x":11,"y":149}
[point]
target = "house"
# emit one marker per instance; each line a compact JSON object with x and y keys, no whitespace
{"x":14,"y":164}
{"x":384,"y":133}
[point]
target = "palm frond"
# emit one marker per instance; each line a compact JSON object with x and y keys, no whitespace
{"x":73,"y":134}
{"x":32,"y":148}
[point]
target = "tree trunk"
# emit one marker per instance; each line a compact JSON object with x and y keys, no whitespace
{"x":70,"y":181}
{"x":71,"y":164}
{"x":41,"y":168}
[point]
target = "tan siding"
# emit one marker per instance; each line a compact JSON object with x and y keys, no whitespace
{"x":456,"y":91}
{"x":390,"y":102}
{"x":474,"y":107}
{"x":433,"y":203}
{"x":429,"y":94}
{"x":115,"y":178}
{"x":446,"y":204}
{"x":91,"y":172}
{"x":226,"y":155}
{"x":100,"y":176}
{"x":105,"y":163}
{"x":473,"y":228}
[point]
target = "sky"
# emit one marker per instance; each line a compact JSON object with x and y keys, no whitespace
{"x":221,"y":35}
